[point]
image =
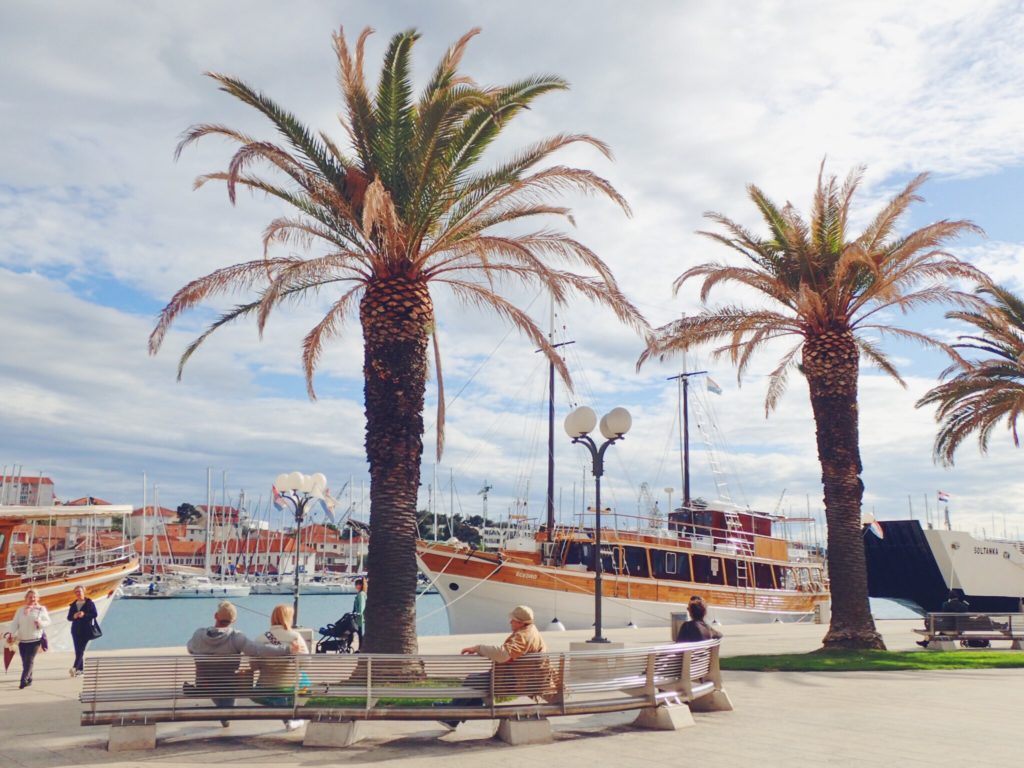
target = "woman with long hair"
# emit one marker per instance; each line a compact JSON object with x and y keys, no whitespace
{"x":277,"y":677}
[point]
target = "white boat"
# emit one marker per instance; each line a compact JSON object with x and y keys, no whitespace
{"x":98,"y":571}
{"x":184,"y":587}
{"x":919,"y":566}
{"x":316,"y":585}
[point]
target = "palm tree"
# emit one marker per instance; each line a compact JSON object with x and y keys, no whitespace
{"x":986,"y":391}
{"x":405,"y":208}
{"x":829,"y":292}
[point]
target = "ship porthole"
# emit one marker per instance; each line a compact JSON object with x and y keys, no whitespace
{"x":453,"y":587}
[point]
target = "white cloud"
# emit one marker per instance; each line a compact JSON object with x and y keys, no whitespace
{"x":696,"y":100}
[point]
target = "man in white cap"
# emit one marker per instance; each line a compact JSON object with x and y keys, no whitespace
{"x":533,"y":679}
{"x":525,"y":638}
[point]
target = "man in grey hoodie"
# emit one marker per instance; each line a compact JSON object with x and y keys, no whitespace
{"x":222,"y":640}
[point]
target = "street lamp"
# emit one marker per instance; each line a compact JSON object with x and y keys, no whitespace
{"x":298,"y":490}
{"x":578,"y":425}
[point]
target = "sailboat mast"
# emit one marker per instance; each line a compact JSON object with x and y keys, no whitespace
{"x":209,"y":512}
{"x":551,"y":428}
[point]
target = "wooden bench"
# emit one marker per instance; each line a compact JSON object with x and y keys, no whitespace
{"x":335,"y":693}
{"x":943,"y":630}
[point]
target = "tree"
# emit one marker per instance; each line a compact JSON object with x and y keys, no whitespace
{"x":187,"y":513}
{"x":829,"y":292}
{"x":404,"y":210}
{"x":986,"y":391}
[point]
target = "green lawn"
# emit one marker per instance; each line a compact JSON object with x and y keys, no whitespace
{"x":873,"y":661}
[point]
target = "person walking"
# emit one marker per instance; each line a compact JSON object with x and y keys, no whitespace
{"x":81,"y":613}
{"x":28,"y":629}
{"x":216,"y":675}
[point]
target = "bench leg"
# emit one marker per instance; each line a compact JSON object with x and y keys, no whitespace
{"x":326,"y":734}
{"x":1015,"y":645}
{"x":942,"y":645}
{"x":124,"y":738}
{"x":665,"y":718}
{"x":532,"y":731}
{"x":716,"y":701}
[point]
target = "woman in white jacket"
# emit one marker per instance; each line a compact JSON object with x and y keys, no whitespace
{"x":26,"y":628}
{"x":277,"y":676}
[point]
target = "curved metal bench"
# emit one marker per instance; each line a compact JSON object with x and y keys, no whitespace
{"x":335,"y":692}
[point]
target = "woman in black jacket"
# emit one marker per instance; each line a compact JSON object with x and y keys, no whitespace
{"x":81,"y":614}
{"x":695,"y":630}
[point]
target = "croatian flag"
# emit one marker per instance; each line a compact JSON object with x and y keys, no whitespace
{"x":713,"y":387}
{"x":279,"y":502}
{"x":943,"y":496}
{"x":876,"y":528}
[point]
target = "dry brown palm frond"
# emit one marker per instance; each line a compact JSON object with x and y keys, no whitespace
{"x":380,"y":216}
{"x":301,"y":274}
{"x":328,"y":328}
{"x":476,"y":295}
{"x":286,"y":230}
{"x":714,"y":274}
{"x":878,"y":358}
{"x":710,"y":326}
{"x":196,"y":132}
{"x":779,"y":378}
{"x":273,"y":154}
{"x":922,"y":338}
{"x":237,"y":277}
{"x":352,"y":81}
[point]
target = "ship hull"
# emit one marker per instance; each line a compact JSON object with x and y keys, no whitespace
{"x":57,"y":594}
{"x":478,"y":594}
{"x":919,"y":567}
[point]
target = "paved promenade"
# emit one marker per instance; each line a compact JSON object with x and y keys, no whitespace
{"x":955,"y":718}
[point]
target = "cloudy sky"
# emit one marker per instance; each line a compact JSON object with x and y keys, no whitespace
{"x":100,"y":227}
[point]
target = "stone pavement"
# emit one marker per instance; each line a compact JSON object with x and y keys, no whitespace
{"x":953,"y":718}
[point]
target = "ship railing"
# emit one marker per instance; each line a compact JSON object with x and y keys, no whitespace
{"x":67,"y":563}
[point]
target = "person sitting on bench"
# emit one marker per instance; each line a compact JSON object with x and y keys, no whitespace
{"x":214,"y":675}
{"x":953,"y":604}
{"x":525,"y":638}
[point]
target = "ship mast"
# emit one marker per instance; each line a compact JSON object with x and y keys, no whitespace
{"x":683,"y":382}
{"x":551,"y":428}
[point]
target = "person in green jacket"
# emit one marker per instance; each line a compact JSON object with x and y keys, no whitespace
{"x":359,"y":608}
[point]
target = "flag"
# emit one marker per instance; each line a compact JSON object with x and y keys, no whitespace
{"x":279,"y":501}
{"x":713,"y":387}
{"x":876,"y":528}
{"x":326,"y":505}
{"x":943,"y":496}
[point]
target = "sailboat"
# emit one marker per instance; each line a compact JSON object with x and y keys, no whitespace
{"x":732,"y":557}
{"x":55,"y":575}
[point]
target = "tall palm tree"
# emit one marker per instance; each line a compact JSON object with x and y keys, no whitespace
{"x":404,"y":208}
{"x":813,"y":282}
{"x":986,"y":391}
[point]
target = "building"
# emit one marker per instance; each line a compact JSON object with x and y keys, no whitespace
{"x":26,"y":491}
{"x":150,"y":520}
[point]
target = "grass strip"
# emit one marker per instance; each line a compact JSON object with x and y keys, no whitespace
{"x":873,"y":661}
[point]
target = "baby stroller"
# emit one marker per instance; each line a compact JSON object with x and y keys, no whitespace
{"x":342,"y":636}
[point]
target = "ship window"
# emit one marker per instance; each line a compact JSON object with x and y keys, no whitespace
{"x":636,"y":561}
{"x":670,"y":562}
{"x":763,"y":576}
{"x":707,"y":570}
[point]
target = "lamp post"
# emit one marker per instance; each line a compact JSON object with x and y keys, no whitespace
{"x":614,"y":425}
{"x":298,"y":490}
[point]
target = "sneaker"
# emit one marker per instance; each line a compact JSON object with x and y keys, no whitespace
{"x":293,"y":725}
{"x":451,"y":724}
{"x":923,"y":643}
{"x":72,"y":672}
{"x":225,"y":723}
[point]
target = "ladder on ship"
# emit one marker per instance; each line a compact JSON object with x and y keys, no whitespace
{"x":744,"y":550}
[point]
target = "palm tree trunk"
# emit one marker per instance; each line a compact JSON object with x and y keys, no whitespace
{"x":396,"y":316}
{"x":830,"y":362}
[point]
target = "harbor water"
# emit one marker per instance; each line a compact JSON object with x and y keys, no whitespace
{"x":157,"y":623}
{"x":170,"y":622}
